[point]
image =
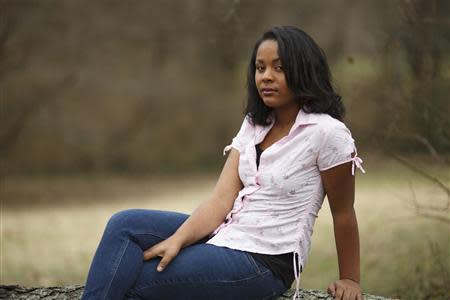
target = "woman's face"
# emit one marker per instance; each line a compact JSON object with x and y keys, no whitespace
{"x":269,"y":77}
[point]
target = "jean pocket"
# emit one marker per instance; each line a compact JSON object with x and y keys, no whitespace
{"x":258,"y":267}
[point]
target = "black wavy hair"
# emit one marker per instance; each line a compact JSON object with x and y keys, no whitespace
{"x":307,"y":75}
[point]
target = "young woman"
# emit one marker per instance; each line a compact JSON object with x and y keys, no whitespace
{"x":251,"y":238}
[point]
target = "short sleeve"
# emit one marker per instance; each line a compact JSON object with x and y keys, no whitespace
{"x":239,"y":141}
{"x":337,"y":148}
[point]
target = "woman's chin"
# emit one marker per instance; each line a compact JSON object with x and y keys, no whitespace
{"x":270,"y":102}
{"x":274,"y":102}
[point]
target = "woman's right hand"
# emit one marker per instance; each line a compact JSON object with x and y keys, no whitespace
{"x":166,"y":249}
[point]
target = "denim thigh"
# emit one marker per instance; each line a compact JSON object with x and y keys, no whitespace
{"x":205,"y":271}
{"x":118,"y":259}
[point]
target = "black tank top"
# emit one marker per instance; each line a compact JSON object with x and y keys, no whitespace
{"x":281,"y":265}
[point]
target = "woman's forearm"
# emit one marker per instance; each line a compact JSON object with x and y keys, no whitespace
{"x":204,"y":220}
{"x":210,"y":214}
{"x":347,"y":245}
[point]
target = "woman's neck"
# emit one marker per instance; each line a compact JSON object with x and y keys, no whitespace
{"x":285,"y":117}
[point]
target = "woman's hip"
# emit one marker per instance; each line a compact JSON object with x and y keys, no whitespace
{"x":206,"y":271}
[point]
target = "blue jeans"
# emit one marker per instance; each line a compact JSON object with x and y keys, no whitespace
{"x":199,"y":271}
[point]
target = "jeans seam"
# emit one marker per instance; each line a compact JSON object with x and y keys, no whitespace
{"x":146,"y":233}
{"x":209,"y":282}
{"x":105,"y":292}
{"x":206,"y":281}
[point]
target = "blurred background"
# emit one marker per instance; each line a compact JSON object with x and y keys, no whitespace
{"x":109,"y":105}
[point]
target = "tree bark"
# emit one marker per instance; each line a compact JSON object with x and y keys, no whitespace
{"x":74,"y":292}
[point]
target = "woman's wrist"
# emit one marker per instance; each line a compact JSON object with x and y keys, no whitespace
{"x":348,"y":278}
{"x":179,"y":239}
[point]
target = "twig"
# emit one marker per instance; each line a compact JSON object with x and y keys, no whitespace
{"x":422,"y":173}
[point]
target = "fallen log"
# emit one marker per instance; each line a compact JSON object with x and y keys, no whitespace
{"x":16,"y":292}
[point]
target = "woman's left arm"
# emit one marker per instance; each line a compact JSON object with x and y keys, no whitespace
{"x":339,"y":184}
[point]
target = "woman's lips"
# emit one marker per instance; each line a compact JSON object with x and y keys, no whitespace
{"x":268,"y":91}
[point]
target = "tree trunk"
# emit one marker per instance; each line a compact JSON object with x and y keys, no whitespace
{"x":74,"y":292}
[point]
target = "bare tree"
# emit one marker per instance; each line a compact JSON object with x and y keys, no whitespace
{"x":418,"y":118}
{"x":16,"y":115}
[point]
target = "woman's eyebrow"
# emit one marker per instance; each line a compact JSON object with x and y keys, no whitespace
{"x":273,"y":60}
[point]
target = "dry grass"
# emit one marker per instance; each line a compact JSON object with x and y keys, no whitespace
{"x":51,"y":227}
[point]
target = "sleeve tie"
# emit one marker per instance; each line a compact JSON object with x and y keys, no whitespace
{"x":357,"y":161}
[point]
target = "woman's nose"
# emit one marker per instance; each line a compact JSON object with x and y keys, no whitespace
{"x":267,"y":75}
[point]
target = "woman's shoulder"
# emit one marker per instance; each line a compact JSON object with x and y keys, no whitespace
{"x":248,"y":124}
{"x":251,"y":126}
{"x":327,"y":123}
{"x":247,"y":128}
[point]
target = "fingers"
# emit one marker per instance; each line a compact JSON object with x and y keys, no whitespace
{"x":166,"y":253}
{"x":345,"y":294}
{"x":359,"y":296}
{"x":345,"y":290}
{"x":151,"y":253}
{"x":348,"y":295}
{"x":167,"y":258}
{"x":332,"y":289}
{"x":339,"y":295}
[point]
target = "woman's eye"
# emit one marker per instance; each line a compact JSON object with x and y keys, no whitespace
{"x":259,"y":68}
{"x":279,"y":68}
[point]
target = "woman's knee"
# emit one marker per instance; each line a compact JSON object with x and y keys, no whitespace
{"x":132,"y":222}
{"x":123,"y":220}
